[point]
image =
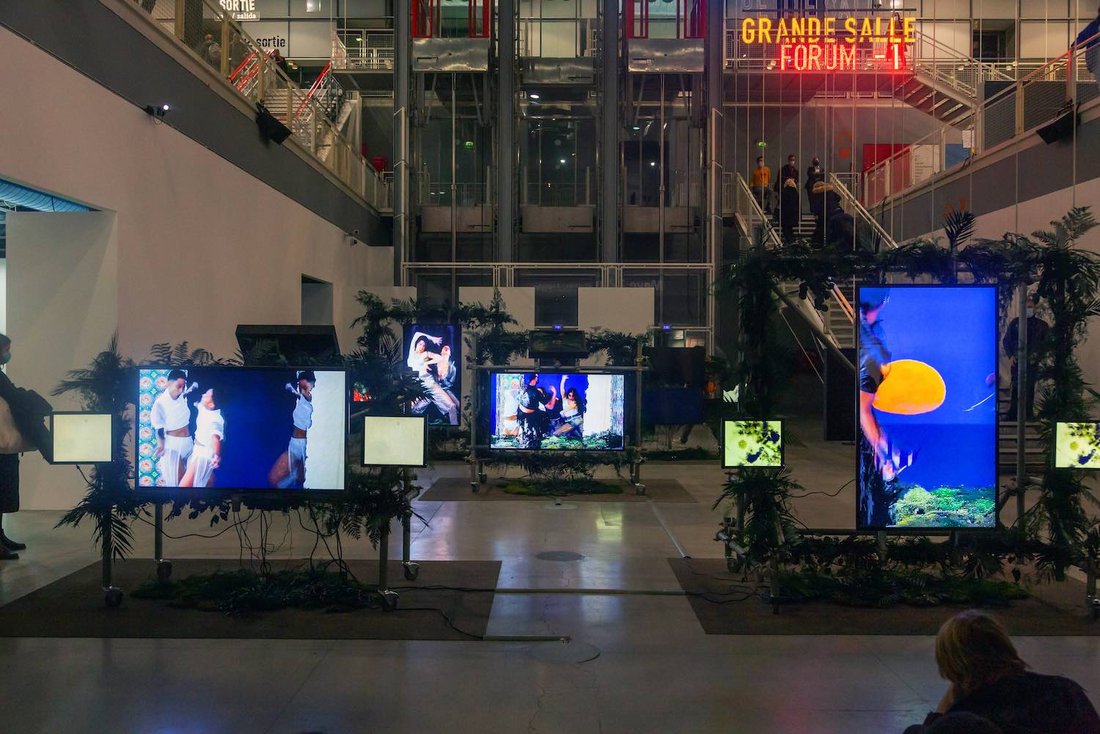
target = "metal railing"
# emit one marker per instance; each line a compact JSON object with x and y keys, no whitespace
{"x":443,"y":193}
{"x":363,"y":50}
{"x":761,"y":229}
{"x":852,"y":205}
{"x":210,"y":33}
{"x":1023,"y":105}
{"x":558,"y":194}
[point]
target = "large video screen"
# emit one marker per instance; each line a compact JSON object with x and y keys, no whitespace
{"x":752,"y":443}
{"x":1077,"y":445}
{"x":434,"y":353}
{"x":555,"y":411}
{"x":241,"y":428}
{"x":927,"y":407}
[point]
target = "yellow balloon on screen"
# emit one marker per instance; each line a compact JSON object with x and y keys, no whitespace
{"x":910,"y":388}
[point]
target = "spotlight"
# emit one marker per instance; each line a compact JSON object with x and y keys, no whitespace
{"x":159,"y":110}
{"x":534,"y":95}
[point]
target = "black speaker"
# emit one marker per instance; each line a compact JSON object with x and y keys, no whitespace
{"x":270,"y":127}
{"x":1060,"y":128}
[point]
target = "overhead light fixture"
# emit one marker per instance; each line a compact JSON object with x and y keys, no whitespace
{"x":159,"y":110}
{"x":535,"y":95}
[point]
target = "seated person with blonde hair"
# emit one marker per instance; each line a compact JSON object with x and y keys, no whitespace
{"x":991,"y":689}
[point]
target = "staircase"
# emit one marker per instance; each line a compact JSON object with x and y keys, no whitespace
{"x":1035,"y":448}
{"x":945,"y":83}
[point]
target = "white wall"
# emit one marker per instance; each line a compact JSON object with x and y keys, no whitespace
{"x":64,"y":307}
{"x":200,"y":245}
{"x":629,"y":310}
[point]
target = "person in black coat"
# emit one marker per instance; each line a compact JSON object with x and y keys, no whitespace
{"x":28,"y":409}
{"x":1037,"y":332}
{"x":786,"y":189}
{"x":989,"y":680}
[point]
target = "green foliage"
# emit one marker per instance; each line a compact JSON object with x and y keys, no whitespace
{"x":496,"y":343}
{"x":1057,"y":531}
{"x":562,"y":488}
{"x":243,"y":593}
{"x":619,"y":349}
{"x":763,"y":497}
{"x":108,"y":502}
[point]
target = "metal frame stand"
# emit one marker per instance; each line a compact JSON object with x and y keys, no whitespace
{"x":410,"y":568}
{"x":164,"y":566}
{"x":388,"y":596}
{"x":636,"y":458}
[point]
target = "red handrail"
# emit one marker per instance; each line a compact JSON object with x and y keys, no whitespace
{"x":314,"y":88}
{"x":241,"y":66}
{"x":691,"y":18}
{"x":636,"y":18}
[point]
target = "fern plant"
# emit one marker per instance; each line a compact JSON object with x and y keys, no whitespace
{"x":109,"y":502}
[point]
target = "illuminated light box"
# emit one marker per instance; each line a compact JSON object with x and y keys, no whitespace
{"x":1077,"y":445}
{"x":82,"y":438}
{"x":829,"y":43}
{"x":926,"y":407}
{"x":395,"y":440}
{"x":752,"y":443}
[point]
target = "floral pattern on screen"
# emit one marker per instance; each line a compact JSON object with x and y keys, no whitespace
{"x":150,"y":385}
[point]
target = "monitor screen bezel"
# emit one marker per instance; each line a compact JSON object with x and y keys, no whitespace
{"x":628,"y":383}
{"x":185,"y":494}
{"x":1054,"y":449}
{"x":995,"y":335}
{"x":782,"y":443}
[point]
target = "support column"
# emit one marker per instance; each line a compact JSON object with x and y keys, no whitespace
{"x":402,"y":42}
{"x":715,"y":123}
{"x":609,"y":132}
{"x":505,"y":129}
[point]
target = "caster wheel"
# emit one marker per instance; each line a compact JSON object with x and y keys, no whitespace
{"x":164,"y":570}
{"x":639,"y":489}
{"x":112,"y":596}
{"x":389,"y":600}
{"x":412,"y":570}
{"x":475,"y":487}
{"x":481,"y":478}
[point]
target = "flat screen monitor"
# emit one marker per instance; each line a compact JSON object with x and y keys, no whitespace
{"x":752,"y":443}
{"x":434,"y":353}
{"x":82,"y":438}
{"x":557,"y":411}
{"x":395,"y":440}
{"x":1077,"y":445}
{"x":926,"y":410}
{"x":241,"y":429}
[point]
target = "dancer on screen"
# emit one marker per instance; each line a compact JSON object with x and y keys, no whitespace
{"x":171,"y":421}
{"x":534,"y":408}
{"x":209,"y":434}
{"x":570,"y":423}
{"x":289,"y":471}
{"x":429,"y":367}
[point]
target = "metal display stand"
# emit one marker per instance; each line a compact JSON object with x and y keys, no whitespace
{"x":479,"y":453}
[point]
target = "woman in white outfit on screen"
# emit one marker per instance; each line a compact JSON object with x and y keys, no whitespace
{"x":171,"y":420}
{"x":209,"y":434}
{"x":290,"y":470}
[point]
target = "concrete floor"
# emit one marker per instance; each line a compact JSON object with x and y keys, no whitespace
{"x":655,"y":672}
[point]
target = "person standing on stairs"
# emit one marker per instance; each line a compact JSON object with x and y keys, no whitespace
{"x":815,"y":174}
{"x":786,"y":186}
{"x":761,"y":185}
{"x":1037,"y":332}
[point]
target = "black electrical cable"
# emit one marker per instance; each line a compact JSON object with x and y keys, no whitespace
{"x":823,"y":492}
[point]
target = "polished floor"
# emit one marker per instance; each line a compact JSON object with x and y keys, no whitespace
{"x":654,"y":670}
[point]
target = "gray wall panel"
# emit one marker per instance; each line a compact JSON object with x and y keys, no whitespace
{"x":95,"y":41}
